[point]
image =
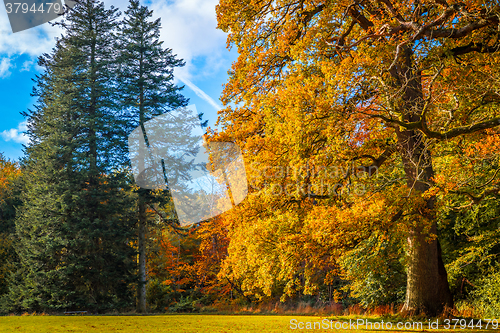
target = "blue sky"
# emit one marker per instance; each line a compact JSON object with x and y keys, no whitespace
{"x":189,"y":29}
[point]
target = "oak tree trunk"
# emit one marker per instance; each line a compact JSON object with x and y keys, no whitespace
{"x":427,"y":283}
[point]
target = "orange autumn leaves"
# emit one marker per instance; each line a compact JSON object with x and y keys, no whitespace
{"x":314,"y":89}
{"x":288,"y":253}
{"x":9,"y":171}
{"x":190,"y":262}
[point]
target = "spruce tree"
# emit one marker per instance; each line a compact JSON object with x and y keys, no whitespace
{"x":147,"y":90}
{"x":76,"y":225}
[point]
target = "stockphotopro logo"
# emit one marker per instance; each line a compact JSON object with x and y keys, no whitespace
{"x":26,"y":14}
{"x":204,"y":179}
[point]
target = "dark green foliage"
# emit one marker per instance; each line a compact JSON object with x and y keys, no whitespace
{"x":471,"y":245}
{"x":376,"y":271}
{"x":159,"y":296}
{"x":10,"y":200}
{"x":77,"y":223}
{"x":145,"y":68}
{"x":486,"y":298}
{"x":8,"y":263}
{"x":185,"y":304}
{"x":8,"y":206}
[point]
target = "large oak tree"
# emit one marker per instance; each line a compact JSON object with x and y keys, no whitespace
{"x":386,"y":88}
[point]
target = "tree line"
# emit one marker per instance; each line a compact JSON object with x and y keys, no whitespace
{"x":401,"y":94}
{"x":79,"y":219}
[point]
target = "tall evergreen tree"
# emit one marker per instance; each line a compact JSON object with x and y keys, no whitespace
{"x":147,"y":90}
{"x":76,"y":225}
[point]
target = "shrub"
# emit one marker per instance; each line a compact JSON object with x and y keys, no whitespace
{"x":487,"y":295}
{"x":158,"y":295}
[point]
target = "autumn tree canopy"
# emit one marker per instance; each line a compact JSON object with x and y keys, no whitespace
{"x":360,"y":122}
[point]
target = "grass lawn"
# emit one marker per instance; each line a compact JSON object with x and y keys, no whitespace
{"x":196,"y":323}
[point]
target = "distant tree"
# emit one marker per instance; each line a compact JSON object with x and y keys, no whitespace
{"x":9,"y":200}
{"x":10,"y":172}
{"x":76,"y":225}
{"x":187,"y":266}
{"x":146,"y":90}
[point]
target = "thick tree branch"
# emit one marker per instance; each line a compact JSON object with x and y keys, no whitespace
{"x":359,"y":18}
{"x":393,"y":11}
{"x":464,"y":31}
{"x":477,"y":199}
{"x":459,"y":130}
{"x":420,"y":30}
{"x":174,"y":223}
{"x":308,"y":15}
{"x":377,"y":162}
{"x":452,"y":133}
{"x":475,"y":47}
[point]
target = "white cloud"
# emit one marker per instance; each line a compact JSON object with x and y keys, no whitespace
{"x":16,"y":134}
{"x":27,"y":65}
{"x":189,"y":29}
{"x":32,"y":42}
{"x":5,"y":66}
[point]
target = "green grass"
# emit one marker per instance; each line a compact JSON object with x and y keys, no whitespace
{"x":180,"y":324}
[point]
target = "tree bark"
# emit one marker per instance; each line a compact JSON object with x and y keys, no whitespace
{"x":142,"y":204}
{"x":427,"y":282}
{"x":427,"y":290}
{"x":141,"y":308}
